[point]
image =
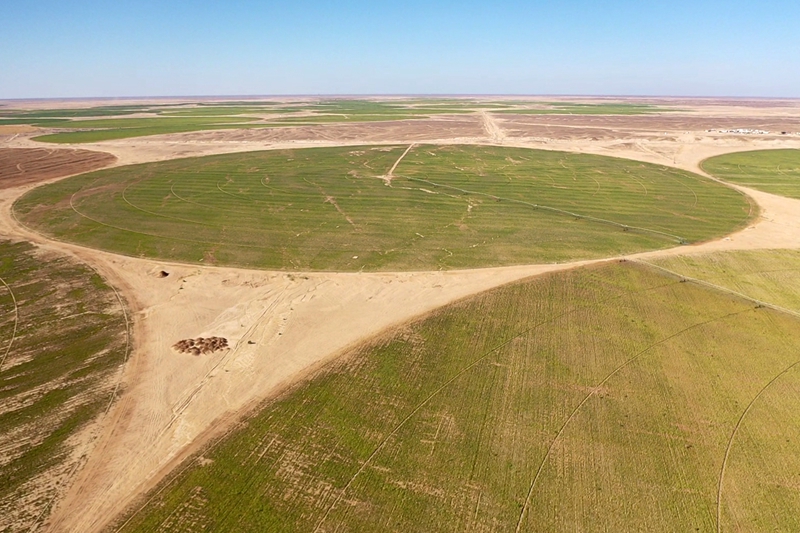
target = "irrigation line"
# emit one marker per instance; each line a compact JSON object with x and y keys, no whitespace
{"x":173,"y":238}
{"x":125,"y":190}
{"x":625,"y":227}
{"x":733,"y":436}
{"x":460,"y":373}
{"x":223,"y":191}
{"x":179,"y":197}
{"x":720,"y":288}
{"x":16,"y":323}
{"x":594,"y":390}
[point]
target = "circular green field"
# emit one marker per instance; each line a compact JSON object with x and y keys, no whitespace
{"x":335,"y":209}
{"x":773,"y":171}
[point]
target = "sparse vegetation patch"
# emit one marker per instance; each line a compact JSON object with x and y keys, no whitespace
{"x":63,"y":339}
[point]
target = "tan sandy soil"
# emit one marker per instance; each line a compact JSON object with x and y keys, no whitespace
{"x":173,"y":402}
{"x":13,"y":129}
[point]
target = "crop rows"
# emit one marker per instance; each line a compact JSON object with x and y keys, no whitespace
{"x":773,"y":171}
{"x":612,"y":398}
{"x":334,"y":209}
{"x":772,"y":276}
{"x":63,"y":338}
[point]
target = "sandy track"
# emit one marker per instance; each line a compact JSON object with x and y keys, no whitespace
{"x":282,"y":326}
{"x":492,"y":128}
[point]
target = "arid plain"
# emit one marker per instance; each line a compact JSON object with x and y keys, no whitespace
{"x":285,"y":326}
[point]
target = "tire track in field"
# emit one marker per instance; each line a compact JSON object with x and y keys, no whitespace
{"x":390,"y":175}
{"x":594,"y":391}
{"x":81,"y":460}
{"x":721,"y":288}
{"x":180,"y":407}
{"x":196,"y":460}
{"x":16,"y":323}
{"x":733,"y":437}
{"x":156,"y":236}
{"x":460,"y":373}
{"x":179,"y":197}
{"x":125,"y":190}
{"x":590,"y":218}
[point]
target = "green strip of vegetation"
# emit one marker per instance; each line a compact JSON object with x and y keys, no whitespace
{"x":110,"y":129}
{"x":613,"y":398}
{"x":222,"y":111}
{"x":327,"y":119}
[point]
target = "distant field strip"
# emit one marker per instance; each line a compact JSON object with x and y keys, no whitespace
{"x":368,"y":208}
{"x":623,"y":393}
{"x":64,"y":334}
{"x":773,"y":171}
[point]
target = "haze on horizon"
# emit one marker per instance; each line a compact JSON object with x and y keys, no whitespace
{"x":88,"y":48}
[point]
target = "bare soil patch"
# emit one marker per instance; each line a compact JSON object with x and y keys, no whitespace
{"x":13,"y":129}
{"x":22,"y":166}
{"x":684,"y":122}
{"x":390,"y":131}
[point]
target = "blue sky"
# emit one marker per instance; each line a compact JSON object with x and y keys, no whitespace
{"x":617,"y":47}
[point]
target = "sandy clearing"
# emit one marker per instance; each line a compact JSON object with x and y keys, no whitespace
{"x":13,"y":129}
{"x":172,"y":402}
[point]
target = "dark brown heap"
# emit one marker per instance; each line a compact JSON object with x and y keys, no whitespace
{"x":202,"y":345}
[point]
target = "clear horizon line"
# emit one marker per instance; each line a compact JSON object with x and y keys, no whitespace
{"x":396,"y":95}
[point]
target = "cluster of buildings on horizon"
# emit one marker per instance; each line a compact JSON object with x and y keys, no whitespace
{"x":747,"y":131}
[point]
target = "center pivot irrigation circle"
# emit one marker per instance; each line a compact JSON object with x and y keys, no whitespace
{"x":399,"y":207}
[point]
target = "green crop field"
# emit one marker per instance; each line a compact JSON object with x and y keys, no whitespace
{"x":773,"y":171}
{"x":110,"y":122}
{"x":772,"y":276}
{"x":328,"y":208}
{"x":63,"y":338}
{"x":611,"y":398}
{"x":124,"y":128}
{"x":114,"y":123}
{"x":318,"y":118}
{"x":563,"y":108}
